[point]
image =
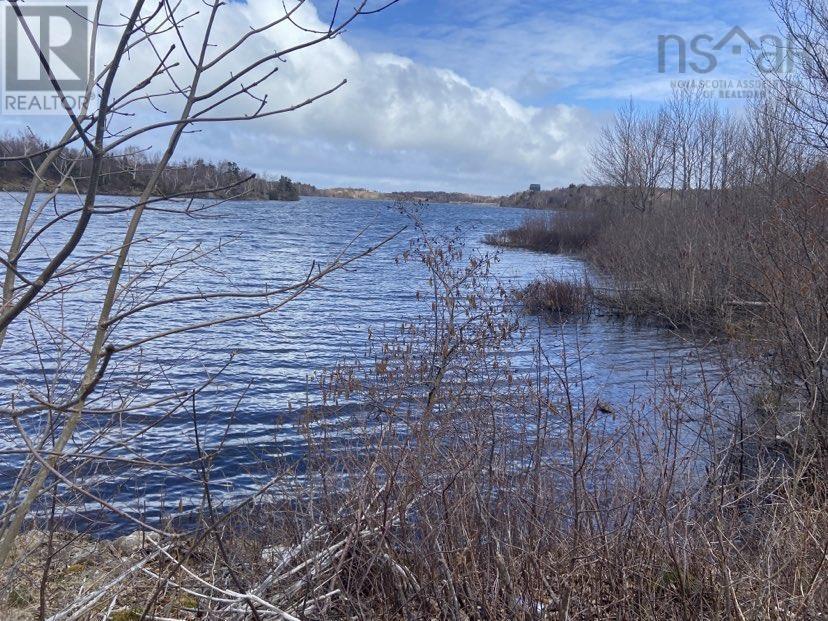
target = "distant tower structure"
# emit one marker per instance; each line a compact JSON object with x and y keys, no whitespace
{"x":535,"y":187}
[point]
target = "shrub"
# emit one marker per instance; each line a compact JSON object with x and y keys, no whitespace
{"x":561,"y":298}
{"x":552,"y":232}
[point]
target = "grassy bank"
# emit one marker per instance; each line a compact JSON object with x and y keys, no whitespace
{"x":735,"y":246}
{"x":746,"y":259}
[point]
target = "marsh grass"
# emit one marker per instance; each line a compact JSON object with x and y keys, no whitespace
{"x":739,"y":264}
{"x":564,"y":231}
{"x":557,"y":298}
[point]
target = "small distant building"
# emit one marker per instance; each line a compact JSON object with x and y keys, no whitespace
{"x":535,"y":187}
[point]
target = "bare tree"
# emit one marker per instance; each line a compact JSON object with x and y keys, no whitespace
{"x":804,"y":24}
{"x":196,"y":75}
{"x":632,"y":155}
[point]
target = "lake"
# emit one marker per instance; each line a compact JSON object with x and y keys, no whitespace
{"x":247,"y":245}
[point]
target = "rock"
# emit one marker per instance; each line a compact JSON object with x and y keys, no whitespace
{"x":135,"y":542}
{"x":605,"y":408}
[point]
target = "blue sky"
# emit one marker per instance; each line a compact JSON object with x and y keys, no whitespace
{"x":592,"y":54}
{"x":482,"y":97}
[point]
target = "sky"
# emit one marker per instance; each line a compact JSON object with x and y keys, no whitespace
{"x":460,"y":95}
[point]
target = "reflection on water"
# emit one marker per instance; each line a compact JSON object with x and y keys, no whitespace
{"x":274,"y":358}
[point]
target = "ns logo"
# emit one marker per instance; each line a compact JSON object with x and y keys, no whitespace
{"x":769,"y":52}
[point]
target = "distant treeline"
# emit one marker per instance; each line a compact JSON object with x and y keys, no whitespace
{"x":558,"y":198}
{"x":127,"y":173}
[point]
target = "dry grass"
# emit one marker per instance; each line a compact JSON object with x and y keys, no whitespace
{"x":558,"y":298}
{"x":740,"y":265}
{"x":564,"y":231}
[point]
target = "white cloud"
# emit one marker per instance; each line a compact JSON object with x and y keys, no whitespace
{"x":398,"y":124}
{"x":593,"y":53}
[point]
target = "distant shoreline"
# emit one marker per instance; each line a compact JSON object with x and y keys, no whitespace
{"x":539,"y":200}
{"x":10,"y":188}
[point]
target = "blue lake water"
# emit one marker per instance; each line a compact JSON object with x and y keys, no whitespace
{"x":247,"y":245}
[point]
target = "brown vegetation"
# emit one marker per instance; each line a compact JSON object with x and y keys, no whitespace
{"x":558,"y":298}
{"x":572,"y":196}
{"x":719,"y":223}
{"x":567,"y":231}
{"x":469,"y":490}
{"x":463,"y":488}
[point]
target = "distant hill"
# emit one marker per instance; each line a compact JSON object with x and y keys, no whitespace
{"x":425,"y":196}
{"x":126,"y":173}
{"x":443,"y":197}
{"x":306,"y":189}
{"x":559,"y":198}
